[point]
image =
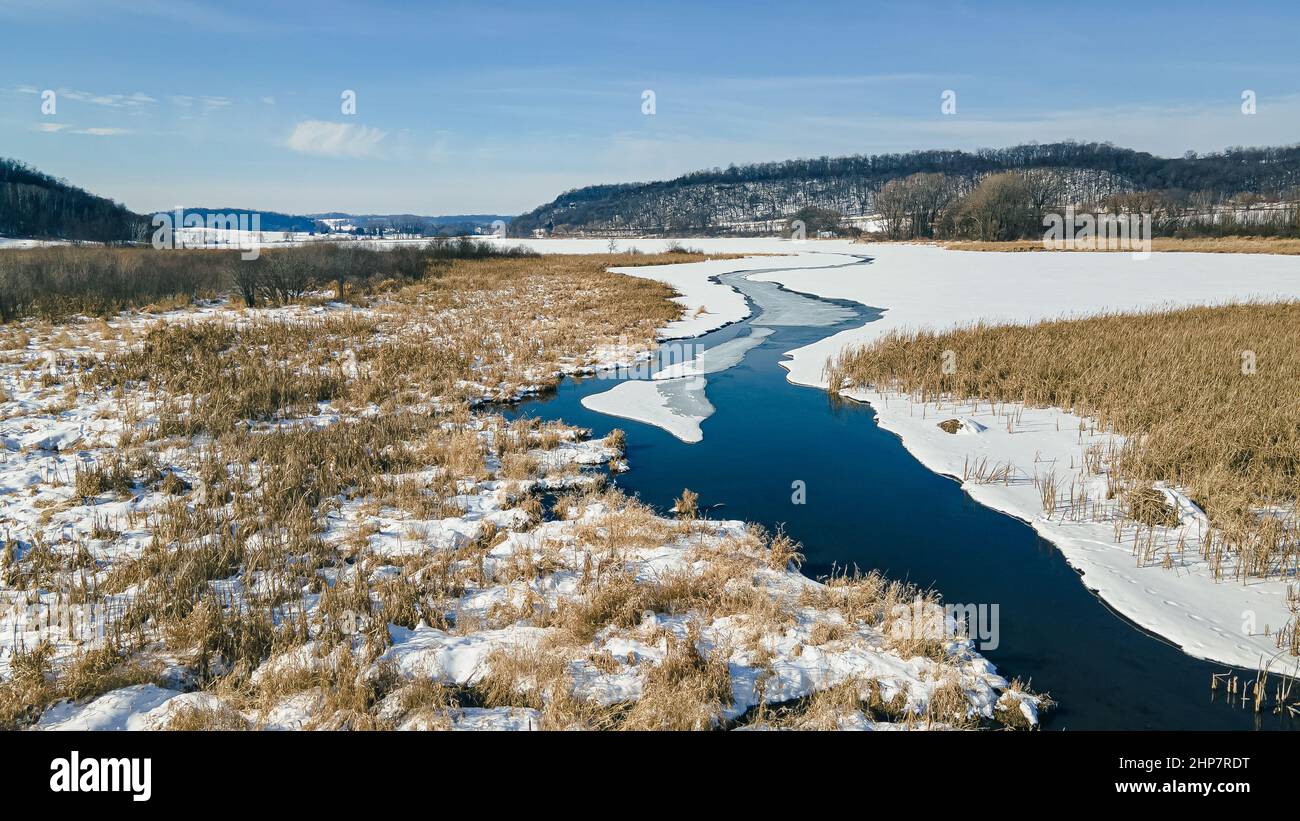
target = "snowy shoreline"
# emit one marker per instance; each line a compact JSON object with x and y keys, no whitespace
{"x":1222,"y":621}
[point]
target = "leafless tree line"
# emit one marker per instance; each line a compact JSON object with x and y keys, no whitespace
{"x":61,"y":281}
{"x":1013,"y":204}
{"x":716,"y":200}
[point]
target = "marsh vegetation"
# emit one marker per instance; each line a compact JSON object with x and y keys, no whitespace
{"x":310,"y":515}
{"x":1203,"y":400}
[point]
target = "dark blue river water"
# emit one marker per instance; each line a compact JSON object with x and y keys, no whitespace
{"x":870,"y":503}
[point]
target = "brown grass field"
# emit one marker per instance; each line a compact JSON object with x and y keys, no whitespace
{"x":1208,"y":400}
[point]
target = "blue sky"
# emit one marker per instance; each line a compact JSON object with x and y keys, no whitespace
{"x":496,"y":107}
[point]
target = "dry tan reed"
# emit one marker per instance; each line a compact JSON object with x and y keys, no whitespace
{"x":1206,"y":397}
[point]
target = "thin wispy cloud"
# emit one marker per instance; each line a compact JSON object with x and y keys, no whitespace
{"x":328,"y":139}
{"x":135,"y":99}
{"x":138,"y":98}
{"x":797,"y":82}
{"x":205,"y":102}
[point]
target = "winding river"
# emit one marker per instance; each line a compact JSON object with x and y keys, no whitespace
{"x":869,"y":503}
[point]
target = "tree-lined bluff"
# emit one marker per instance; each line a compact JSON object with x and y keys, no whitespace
{"x":732,"y":200}
{"x":34,"y":204}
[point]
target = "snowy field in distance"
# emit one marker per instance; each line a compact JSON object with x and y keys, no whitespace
{"x":11,"y":243}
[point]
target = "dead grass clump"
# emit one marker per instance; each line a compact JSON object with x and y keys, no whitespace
{"x":173,"y":485}
{"x":215,"y":640}
{"x":685,"y":691}
{"x":783,"y":553}
{"x":426,"y":694}
{"x":351,"y":695}
{"x":171,"y":575}
{"x":344,"y":691}
{"x":93,"y":480}
{"x":869,"y":598}
{"x":827,"y":632}
{"x":617,"y":440}
{"x":423,"y":703}
{"x":617,"y":601}
{"x":687,"y":505}
{"x":626,"y":525}
{"x":216,"y":718}
{"x":99,"y":670}
{"x":524,"y":676}
{"x":1150,"y":507}
{"x":829,"y":709}
{"x":879,"y":708}
{"x":29,"y":688}
{"x":1008,"y":710}
{"x":949,"y":706}
{"x":840,"y":706}
{"x":517,"y":465}
{"x":950,"y":425}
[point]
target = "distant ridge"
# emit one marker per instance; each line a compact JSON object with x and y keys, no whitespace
{"x":330,"y":221}
{"x":270,"y":220}
{"x":709,"y":201}
{"x":35,"y":204}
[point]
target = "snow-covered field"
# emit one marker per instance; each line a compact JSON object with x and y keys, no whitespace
{"x":924,"y":286}
{"x":813,"y":648}
{"x":10,"y":243}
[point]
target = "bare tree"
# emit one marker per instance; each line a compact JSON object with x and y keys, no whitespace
{"x":999,"y":208}
{"x":246,"y":276}
{"x":284,"y":275}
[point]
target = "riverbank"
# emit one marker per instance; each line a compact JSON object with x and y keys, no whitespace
{"x":1003,"y":450}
